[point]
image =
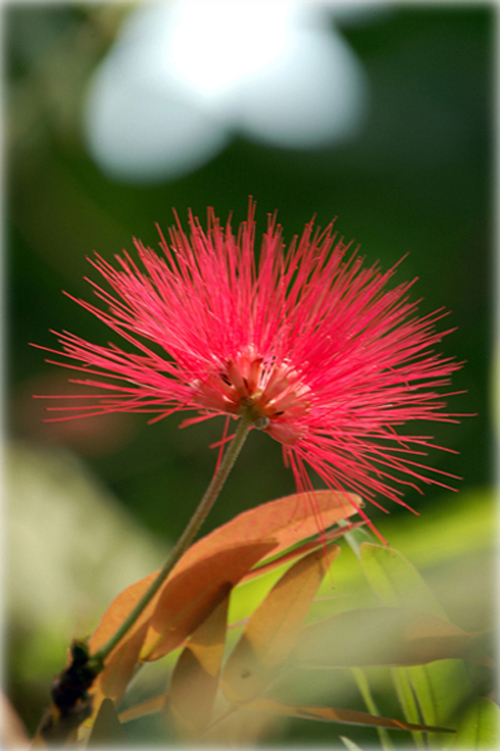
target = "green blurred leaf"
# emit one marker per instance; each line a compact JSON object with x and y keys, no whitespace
{"x":480,"y":726}
{"x":395,"y":581}
{"x":440,"y":688}
{"x":365,"y":691}
{"x":406,"y":699}
{"x":381,"y":636}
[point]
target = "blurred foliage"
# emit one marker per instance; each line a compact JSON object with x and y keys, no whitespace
{"x":302,"y":649}
{"x":479,"y":726}
{"x":418,"y":179}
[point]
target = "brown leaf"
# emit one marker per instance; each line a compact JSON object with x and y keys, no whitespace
{"x":272,"y":630}
{"x":119,"y":609}
{"x":119,"y":669}
{"x":288,"y":520}
{"x":306,"y":712}
{"x":107,"y":729}
{"x":267,"y":565}
{"x":380,"y":636}
{"x":187,"y":599}
{"x":150,"y":706}
{"x":195,"y":678}
{"x":329,"y":714}
{"x":183,"y":603}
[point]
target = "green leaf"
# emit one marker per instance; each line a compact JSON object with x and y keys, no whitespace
{"x":480,"y":726}
{"x":365,"y":691}
{"x":380,"y":636}
{"x":441,"y":687}
{"x":396,"y":581}
{"x":407,"y":702}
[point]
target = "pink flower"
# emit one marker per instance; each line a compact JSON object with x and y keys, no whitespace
{"x":330,"y":360}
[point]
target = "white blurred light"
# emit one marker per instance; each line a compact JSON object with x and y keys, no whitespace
{"x":212,"y":46}
{"x":140,"y":124}
{"x":313,"y":94}
{"x":140,"y":131}
{"x":184,"y":76}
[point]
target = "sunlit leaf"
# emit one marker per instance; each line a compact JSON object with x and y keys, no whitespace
{"x":195,"y":678}
{"x":119,"y":609}
{"x":107,"y":729}
{"x":289,"y":520}
{"x":330,"y":714}
{"x":380,"y":636}
{"x":480,"y":726}
{"x":272,"y":630}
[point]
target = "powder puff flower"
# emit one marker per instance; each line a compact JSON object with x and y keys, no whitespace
{"x":327,"y":358}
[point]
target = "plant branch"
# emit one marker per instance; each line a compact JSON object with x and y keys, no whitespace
{"x":199,"y":516}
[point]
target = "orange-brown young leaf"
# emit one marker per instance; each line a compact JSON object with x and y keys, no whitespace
{"x":120,"y":608}
{"x":306,"y":712}
{"x":195,"y":678}
{"x":119,"y":669}
{"x":267,"y":565}
{"x":288,"y":520}
{"x":150,"y":706}
{"x":182,"y":604}
{"x":273,"y":629}
{"x":188,"y":598}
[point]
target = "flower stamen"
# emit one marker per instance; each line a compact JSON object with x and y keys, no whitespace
{"x":273,"y":394}
{"x":305,"y":343}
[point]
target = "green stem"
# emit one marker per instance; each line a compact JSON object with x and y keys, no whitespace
{"x":364,"y":687}
{"x":199,"y":516}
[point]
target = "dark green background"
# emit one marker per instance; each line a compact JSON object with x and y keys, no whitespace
{"x":418,"y":179}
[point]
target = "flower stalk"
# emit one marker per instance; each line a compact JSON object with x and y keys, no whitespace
{"x":185,"y":540}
